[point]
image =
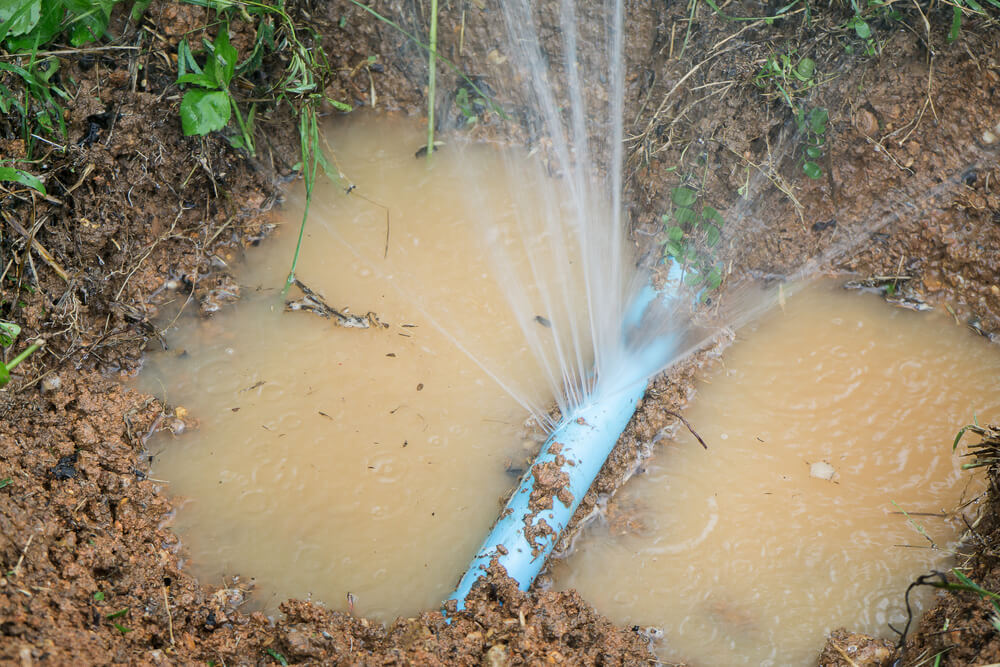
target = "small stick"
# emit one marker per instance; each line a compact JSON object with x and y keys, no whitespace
{"x":17,"y":568}
{"x":688,"y":425}
{"x":170,"y":620}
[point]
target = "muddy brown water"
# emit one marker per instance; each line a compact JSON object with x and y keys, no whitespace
{"x":745,"y":554}
{"x":330,"y":461}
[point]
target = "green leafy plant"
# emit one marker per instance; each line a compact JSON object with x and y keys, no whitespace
{"x":862,"y":29}
{"x":211,"y":102}
{"x":693,"y":230}
{"x":961,"y":7}
{"x":986,"y":451}
{"x":469,"y":106}
{"x":277,"y":656}
{"x":208,"y":105}
{"x":34,"y":99}
{"x":791,"y":76}
{"x":812,"y":126}
{"x":9,"y":332}
{"x":24,"y":178}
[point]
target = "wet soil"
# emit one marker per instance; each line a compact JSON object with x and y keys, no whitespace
{"x":140,"y":219}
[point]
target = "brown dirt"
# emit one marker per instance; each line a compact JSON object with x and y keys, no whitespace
{"x":141,"y":218}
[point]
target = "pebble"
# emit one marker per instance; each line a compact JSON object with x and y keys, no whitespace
{"x":51,"y":383}
{"x":496,"y":656}
{"x":866,"y":122}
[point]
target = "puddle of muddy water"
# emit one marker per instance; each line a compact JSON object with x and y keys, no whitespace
{"x":740,"y":554}
{"x":331,"y":461}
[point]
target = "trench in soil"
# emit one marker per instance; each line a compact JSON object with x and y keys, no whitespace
{"x":326,"y":461}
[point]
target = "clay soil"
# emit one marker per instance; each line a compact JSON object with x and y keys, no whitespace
{"x":140,"y":219}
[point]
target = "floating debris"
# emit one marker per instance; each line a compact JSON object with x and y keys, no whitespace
{"x":314,"y":303}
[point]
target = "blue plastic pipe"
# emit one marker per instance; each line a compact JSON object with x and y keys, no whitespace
{"x":523,"y":537}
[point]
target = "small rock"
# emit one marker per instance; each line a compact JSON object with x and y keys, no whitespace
{"x":496,"y":656}
{"x":866,"y":123}
{"x":177,"y":426}
{"x":822,"y":470}
{"x":989,"y":138}
{"x":50,"y":384}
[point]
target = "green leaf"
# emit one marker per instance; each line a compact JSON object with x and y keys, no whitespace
{"x":277,"y":656}
{"x":812,"y":170}
{"x":139,"y":8}
{"x":714,"y":278}
{"x":961,"y":432}
{"x":48,"y":26}
{"x":818,"y":118}
{"x":22,"y":177}
{"x":713,"y":216}
{"x":265,"y":37}
{"x":117,"y":614}
{"x":814,"y":152}
{"x":693,"y":278}
{"x":675,"y":233}
{"x":4,"y":375}
{"x":19,"y":18}
{"x":672,"y":249}
{"x":89,"y":19}
{"x":121,"y":628}
{"x":712,"y":236}
{"x":956,"y":24}
{"x":682,"y":196}
{"x":805,"y":69}
{"x":862,"y":29}
{"x":198,"y":79}
{"x":185,"y":60}
{"x":99,"y":596}
{"x":225,"y":54}
{"x":204,"y":111}
{"x":8,"y":332}
{"x":684,"y":216}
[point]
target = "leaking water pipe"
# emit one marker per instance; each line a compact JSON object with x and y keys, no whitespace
{"x":569,"y":461}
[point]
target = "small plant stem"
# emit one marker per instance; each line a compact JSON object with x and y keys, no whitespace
{"x":431,"y":77}
{"x":24,"y":355}
{"x":452,"y":66}
{"x":308,"y":137}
